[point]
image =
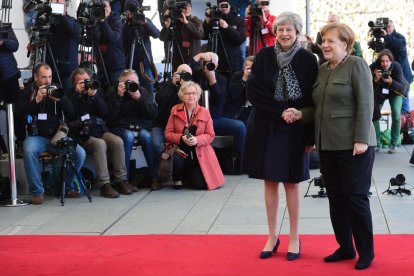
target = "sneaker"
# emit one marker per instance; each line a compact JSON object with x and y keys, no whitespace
{"x":133,"y":188}
{"x":108,"y":191}
{"x":122,"y":188}
{"x":392,"y":150}
{"x":156,"y":185}
{"x":37,"y":199}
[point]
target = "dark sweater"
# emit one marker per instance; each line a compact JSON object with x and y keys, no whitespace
{"x":8,"y":64}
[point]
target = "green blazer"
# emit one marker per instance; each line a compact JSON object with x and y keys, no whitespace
{"x":344,"y":103}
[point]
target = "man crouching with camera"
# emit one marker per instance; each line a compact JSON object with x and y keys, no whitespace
{"x":44,"y":105}
{"x":389,"y":84}
{"x":89,"y":128}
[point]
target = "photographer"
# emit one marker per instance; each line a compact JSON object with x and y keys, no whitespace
{"x":259,"y":24}
{"x":88,"y":127}
{"x":204,"y":66}
{"x":9,"y":73}
{"x":63,"y":38}
{"x":138,"y":27}
{"x":131,"y":109}
{"x":231,"y":34}
{"x":185,"y":29}
{"x":396,"y":43}
{"x":389,"y":84}
{"x":109,"y":37}
{"x":43,"y":105}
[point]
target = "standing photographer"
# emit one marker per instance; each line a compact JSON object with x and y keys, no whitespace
{"x":138,"y":28}
{"x":88,"y":127}
{"x":397,"y":44}
{"x":43,"y":105}
{"x":185,"y":29}
{"x":259,"y":24}
{"x":225,"y":32}
{"x":389,"y":84}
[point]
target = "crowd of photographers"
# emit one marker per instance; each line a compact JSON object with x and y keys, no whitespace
{"x":114,"y":109}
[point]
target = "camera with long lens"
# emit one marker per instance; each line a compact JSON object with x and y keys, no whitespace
{"x":138,"y":16}
{"x":131,"y":86}
{"x":91,"y":84}
{"x":185,"y":76}
{"x":175,"y":8}
{"x":92,"y":11}
{"x":66,"y":144}
{"x":256,"y":10}
{"x":209,"y":65}
{"x":385,"y":74}
{"x":55,"y":92}
{"x":375,"y":31}
{"x":215,"y":13}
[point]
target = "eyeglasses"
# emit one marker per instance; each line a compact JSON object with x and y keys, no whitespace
{"x":190,"y":93}
{"x":224,"y":5}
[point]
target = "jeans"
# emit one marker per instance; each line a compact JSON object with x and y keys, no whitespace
{"x":237,"y":129}
{"x":395,"y":104}
{"x":145,"y":140}
{"x":33,"y":146}
{"x":405,"y":108}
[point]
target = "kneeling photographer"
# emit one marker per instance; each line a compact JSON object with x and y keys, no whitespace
{"x":88,"y":127}
{"x":389,"y":84}
{"x":44,"y":105}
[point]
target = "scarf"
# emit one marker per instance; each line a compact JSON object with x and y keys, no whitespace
{"x":287,"y":85}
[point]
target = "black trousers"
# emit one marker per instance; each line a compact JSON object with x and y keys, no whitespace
{"x":348,"y":179}
{"x":9,"y":90}
{"x":188,"y":170}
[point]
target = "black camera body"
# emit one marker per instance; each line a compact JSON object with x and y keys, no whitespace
{"x":398,"y":180}
{"x":215,"y":13}
{"x":93,"y":11}
{"x":131,"y":86}
{"x":385,"y":74}
{"x":91,"y":84}
{"x":55,"y":92}
{"x":318,"y":182}
{"x":185,"y":76}
{"x":175,"y":8}
{"x":83,"y":127}
{"x":67,"y":144}
{"x":256,"y":10}
{"x":375,"y":31}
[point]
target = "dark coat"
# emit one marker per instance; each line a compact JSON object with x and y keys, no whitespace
{"x":8,"y":64}
{"x":397,"y":44}
{"x":236,"y":96}
{"x":266,"y":114}
{"x":231,"y":38}
{"x":64,"y":42}
{"x":165,"y":98}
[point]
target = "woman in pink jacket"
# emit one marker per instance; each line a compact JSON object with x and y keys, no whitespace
{"x":191,"y":128}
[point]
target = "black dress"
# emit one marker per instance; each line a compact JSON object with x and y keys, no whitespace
{"x":274,"y":150}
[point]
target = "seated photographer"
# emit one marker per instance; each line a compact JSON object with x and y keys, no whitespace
{"x":138,"y":28}
{"x":166,"y":98}
{"x":188,"y":32}
{"x":231,"y":34}
{"x":389,"y":84}
{"x":259,"y":24}
{"x":191,"y":128}
{"x":88,"y":127}
{"x":131,"y":111}
{"x":64,"y":34}
{"x":43,"y":105}
{"x":237,"y":106}
{"x":204,"y":66}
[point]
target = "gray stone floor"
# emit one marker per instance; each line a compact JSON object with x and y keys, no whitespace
{"x":235,"y":208}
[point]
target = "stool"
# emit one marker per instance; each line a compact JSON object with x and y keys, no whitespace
{"x":386,"y":114}
{"x":48,"y":158}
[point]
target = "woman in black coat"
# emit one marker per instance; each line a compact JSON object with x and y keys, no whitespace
{"x":282,"y":77}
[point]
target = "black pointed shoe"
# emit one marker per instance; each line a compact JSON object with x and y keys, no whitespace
{"x":338,"y":256}
{"x":363,"y":263}
{"x":268,"y":254}
{"x":293,"y":256}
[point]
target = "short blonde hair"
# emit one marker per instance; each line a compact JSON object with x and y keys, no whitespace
{"x":185,"y":86}
{"x":345,"y":34}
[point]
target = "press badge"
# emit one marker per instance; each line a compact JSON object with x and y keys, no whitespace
{"x":385,"y":91}
{"x":42,"y":116}
{"x":85,"y":117}
{"x":265,"y":31}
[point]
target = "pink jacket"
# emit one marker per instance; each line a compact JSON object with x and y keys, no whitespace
{"x":205,"y":135}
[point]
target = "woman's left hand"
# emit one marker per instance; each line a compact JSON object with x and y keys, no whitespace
{"x":359,"y":148}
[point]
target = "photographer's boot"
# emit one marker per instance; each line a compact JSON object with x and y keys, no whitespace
{"x":108,"y":191}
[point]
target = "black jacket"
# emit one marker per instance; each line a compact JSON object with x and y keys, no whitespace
{"x":165,"y":98}
{"x":97,"y":109}
{"x":8,"y":64}
{"x":236,"y":96}
{"x":397,"y":44}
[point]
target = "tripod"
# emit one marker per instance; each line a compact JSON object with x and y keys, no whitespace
{"x":172,"y":42}
{"x":215,"y":37}
{"x":257,"y":34}
{"x":67,"y":164}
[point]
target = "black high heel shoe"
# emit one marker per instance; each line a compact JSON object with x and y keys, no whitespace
{"x":268,"y":254}
{"x":293,"y":256}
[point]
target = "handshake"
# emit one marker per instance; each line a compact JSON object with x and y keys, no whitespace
{"x":291,"y":115}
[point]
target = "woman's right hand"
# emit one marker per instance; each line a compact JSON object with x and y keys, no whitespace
{"x":191,"y":141}
{"x":291,"y":115}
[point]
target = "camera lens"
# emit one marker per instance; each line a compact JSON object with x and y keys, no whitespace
{"x":131,"y":86}
{"x":55,"y":92}
{"x":210,"y":66}
{"x":185,"y":76}
{"x":93,"y":84}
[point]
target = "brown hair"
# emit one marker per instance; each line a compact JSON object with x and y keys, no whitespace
{"x":385,"y":52}
{"x":345,"y":34}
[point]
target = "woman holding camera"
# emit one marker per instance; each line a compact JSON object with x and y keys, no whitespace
{"x":191,"y":128}
{"x":389,"y":84}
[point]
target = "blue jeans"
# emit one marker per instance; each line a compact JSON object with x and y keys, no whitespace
{"x":237,"y":129}
{"x":145,"y":140}
{"x":405,"y":108}
{"x":33,"y":146}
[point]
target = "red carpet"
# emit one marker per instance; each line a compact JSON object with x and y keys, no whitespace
{"x":190,"y":255}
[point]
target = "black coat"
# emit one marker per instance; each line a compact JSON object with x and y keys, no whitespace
{"x":266,"y":114}
{"x":236,"y":96}
{"x":397,"y":44}
{"x":165,"y":98}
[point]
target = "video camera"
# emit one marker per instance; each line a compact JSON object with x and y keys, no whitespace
{"x":215,"y":13}
{"x":256,"y":10}
{"x":138,"y":16}
{"x":93,"y":11}
{"x":175,"y":8}
{"x":375,"y":31}
{"x":83,"y":127}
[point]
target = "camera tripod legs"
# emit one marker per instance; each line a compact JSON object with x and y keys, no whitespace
{"x":67,"y":163}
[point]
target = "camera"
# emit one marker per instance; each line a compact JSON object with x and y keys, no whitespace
{"x":94,"y":11}
{"x":61,"y":133}
{"x":55,"y":92}
{"x":398,"y":180}
{"x":30,"y":5}
{"x":131,"y":86}
{"x":185,"y":76}
{"x":66,"y":143}
{"x":215,"y":13}
{"x":385,"y":74}
{"x":91,"y":84}
{"x":175,"y":8}
{"x":375,"y":31}
{"x":318,"y":182}
{"x":209,"y":65}
{"x":138,"y":16}
{"x":256,"y":10}
{"x":85,"y":129}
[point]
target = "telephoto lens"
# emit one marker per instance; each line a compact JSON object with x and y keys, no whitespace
{"x":131,"y":86}
{"x":185,"y":76}
{"x":55,"y":92}
{"x":92,"y":84}
{"x":210,"y":66}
